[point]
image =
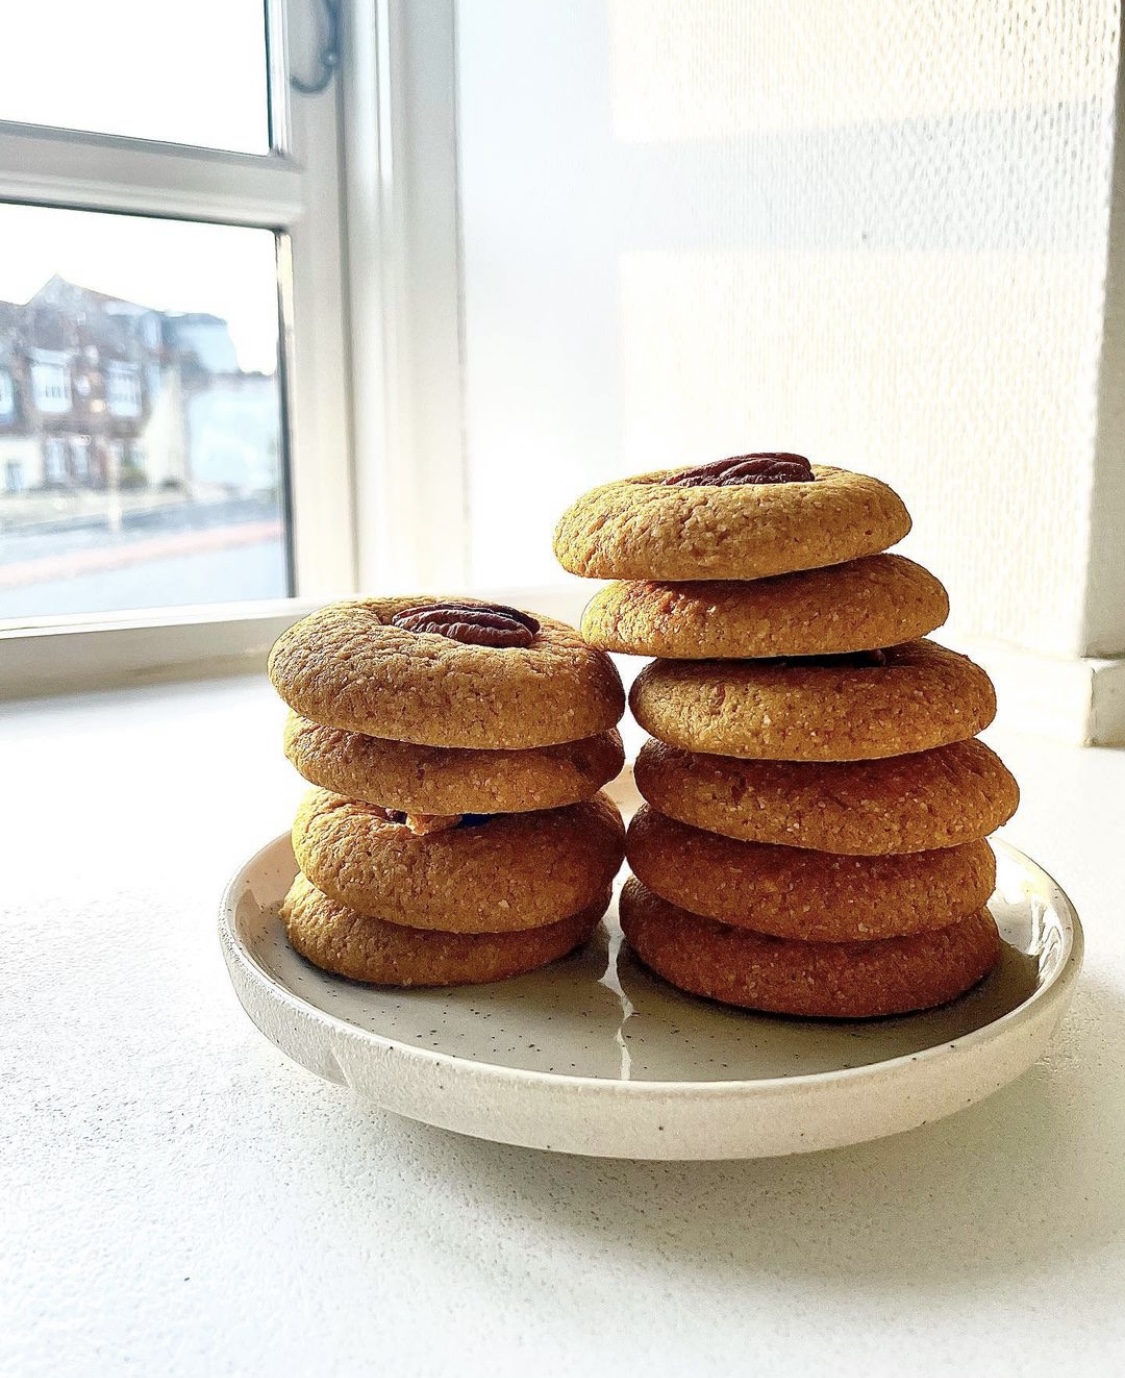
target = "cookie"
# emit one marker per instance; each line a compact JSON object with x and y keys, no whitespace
{"x":937,"y":798}
{"x":822,"y":980}
{"x":812,"y":896}
{"x":882,"y":600}
{"x":650,"y":528}
{"x":849,"y":708}
{"x":368,"y":949}
{"x":509,"y":872}
{"x":351,"y":666}
{"x":448,"y":780}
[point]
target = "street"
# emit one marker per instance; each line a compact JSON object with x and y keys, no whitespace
{"x":191,"y":553}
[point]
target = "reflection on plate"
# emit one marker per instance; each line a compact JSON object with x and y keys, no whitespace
{"x":597,"y":1055}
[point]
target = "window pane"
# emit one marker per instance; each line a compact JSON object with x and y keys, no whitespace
{"x":141,"y":456}
{"x":189,"y":74}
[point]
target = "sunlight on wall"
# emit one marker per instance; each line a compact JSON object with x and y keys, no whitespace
{"x":725,"y":68}
{"x":938,"y":372}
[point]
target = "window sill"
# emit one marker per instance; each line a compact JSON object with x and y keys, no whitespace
{"x":65,"y":655}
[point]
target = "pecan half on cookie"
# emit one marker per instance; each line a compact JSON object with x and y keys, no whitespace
{"x":761,"y":467}
{"x":351,"y":666}
{"x":475,"y":624}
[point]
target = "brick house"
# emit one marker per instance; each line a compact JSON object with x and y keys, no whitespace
{"x":97,"y":392}
{"x":77,"y":370}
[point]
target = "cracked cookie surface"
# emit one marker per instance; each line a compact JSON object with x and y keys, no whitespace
{"x":882,"y":600}
{"x":938,"y":798}
{"x":823,"y":980}
{"x":448,"y":780}
{"x":513,"y":871}
{"x":348,"y":666}
{"x":340,"y":940}
{"x":640,"y":528}
{"x":920,"y":695}
{"x":791,"y":892}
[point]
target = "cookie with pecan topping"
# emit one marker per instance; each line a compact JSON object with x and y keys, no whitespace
{"x":449,"y":673}
{"x":792,"y":892}
{"x":473,"y":624}
{"x":844,"y":708}
{"x":854,"y":980}
{"x":364,"y":948}
{"x":448,"y":780}
{"x":676,"y":525}
{"x":939,"y":798}
{"x":496,"y":875}
{"x":881,"y":600}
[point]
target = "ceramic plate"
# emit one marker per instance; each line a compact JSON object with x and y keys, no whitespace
{"x":595,"y":1055}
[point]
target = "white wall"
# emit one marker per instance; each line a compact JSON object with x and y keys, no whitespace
{"x":874,"y":232}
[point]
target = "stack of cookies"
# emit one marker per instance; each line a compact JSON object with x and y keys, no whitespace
{"x":813,"y":841}
{"x":456,"y":832}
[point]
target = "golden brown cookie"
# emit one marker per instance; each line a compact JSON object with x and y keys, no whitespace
{"x":512,"y":871}
{"x":439,"y":779}
{"x":848,"y":708}
{"x":350,"y":666}
{"x":937,"y":798}
{"x":882,"y":600}
{"x":790,"y":892}
{"x":823,"y":980}
{"x":363,"y":948}
{"x":648,"y":528}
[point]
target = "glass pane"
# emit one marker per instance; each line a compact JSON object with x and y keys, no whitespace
{"x":189,"y":74}
{"x":140,"y":414}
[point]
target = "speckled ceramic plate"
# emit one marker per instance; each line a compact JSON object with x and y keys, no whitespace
{"x":595,"y":1055}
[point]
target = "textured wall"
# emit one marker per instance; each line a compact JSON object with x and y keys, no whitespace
{"x":874,"y":232}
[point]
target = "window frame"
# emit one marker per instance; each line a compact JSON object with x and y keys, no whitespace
{"x":296,"y":192}
{"x":123,"y":395}
{"x":402,"y":226}
{"x":51,"y":384}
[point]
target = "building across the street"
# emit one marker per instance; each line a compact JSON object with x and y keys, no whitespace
{"x":97,"y":393}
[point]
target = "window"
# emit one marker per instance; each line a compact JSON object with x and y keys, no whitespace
{"x":335,"y":486}
{"x":50,"y":382}
{"x":80,"y":458}
{"x":55,"y":468}
{"x":123,"y":389}
{"x":113,"y":71}
{"x":171,"y":289}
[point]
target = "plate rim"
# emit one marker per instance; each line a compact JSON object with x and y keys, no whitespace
{"x":1050,"y":991}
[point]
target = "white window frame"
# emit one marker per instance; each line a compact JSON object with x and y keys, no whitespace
{"x":122,"y":388}
{"x":296,"y":191}
{"x":50,"y":383}
{"x":7,"y":393}
{"x":404,"y":288}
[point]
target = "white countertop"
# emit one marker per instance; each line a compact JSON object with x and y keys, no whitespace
{"x":181,"y":1199}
